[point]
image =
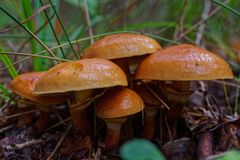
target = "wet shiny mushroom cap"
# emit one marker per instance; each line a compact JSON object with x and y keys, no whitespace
{"x":183,"y":62}
{"x":24,"y":85}
{"x":122,"y":45}
{"x":119,"y":102}
{"x":81,"y":75}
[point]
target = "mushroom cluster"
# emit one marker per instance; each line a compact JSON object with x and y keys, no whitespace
{"x":174,"y":67}
{"x":119,"y":88}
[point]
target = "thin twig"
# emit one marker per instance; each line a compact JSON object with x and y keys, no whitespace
{"x":35,"y":55}
{"x":179,"y":26}
{"x":88,"y":21}
{"x":227,"y":7}
{"x":36,"y":32}
{"x":207,"y":7}
{"x":4,"y":129}
{"x":98,"y":154}
{"x":201,"y":28}
{"x":52,"y":28}
{"x":226,"y":83}
{"x":210,"y":106}
{"x":14,"y":147}
{"x":164,"y":104}
{"x":56,"y":47}
{"x":18,"y":114}
{"x":89,"y":101}
{"x":236,"y":99}
{"x":205,"y":13}
{"x":213,"y":12}
{"x":59,"y":143}
{"x":123,"y":13}
{"x":226,"y":97}
{"x":11,"y":45}
{"x":84,"y":39}
{"x":26,"y":20}
{"x":168,"y":128}
{"x":29,"y":31}
{"x":66,"y":35}
{"x":59,"y":123}
{"x":161,"y":127}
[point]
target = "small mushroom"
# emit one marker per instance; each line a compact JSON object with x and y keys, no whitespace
{"x":120,"y":47}
{"x":180,"y":64}
{"x":114,"y":107}
{"x":81,"y":77}
{"x":24,"y":84}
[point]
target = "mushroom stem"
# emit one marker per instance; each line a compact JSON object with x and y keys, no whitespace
{"x":81,"y":121}
{"x":79,"y":115}
{"x":177,"y":94}
{"x":82,"y":96}
{"x":205,"y":145}
{"x":42,"y":121}
{"x":25,"y":119}
{"x":181,"y":86}
{"x":149,"y":122}
{"x":124,"y":65}
{"x":113,"y":132}
{"x":127,"y":131}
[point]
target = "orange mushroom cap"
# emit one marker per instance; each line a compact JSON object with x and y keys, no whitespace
{"x":122,"y":45}
{"x":24,"y":85}
{"x":119,"y":102}
{"x":182,"y":63}
{"x":81,"y":75}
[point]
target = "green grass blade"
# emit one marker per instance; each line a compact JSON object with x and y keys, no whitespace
{"x":7,"y":98}
{"x":77,"y":32}
{"x":236,"y":98}
{"x":163,"y":39}
{"x":44,"y":32}
{"x":95,"y":36}
{"x":52,"y":28}
{"x":7,"y":61}
{"x":227,"y":7}
{"x":40,"y":28}
{"x":38,"y":11}
{"x":65,"y":44}
{"x":35,"y":55}
{"x":147,"y":25}
{"x":60,"y":21}
{"x":27,"y":30}
{"x":27,"y":10}
{"x":4,"y":93}
{"x":4,"y":90}
{"x":20,"y":37}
